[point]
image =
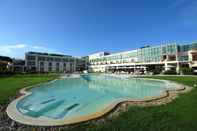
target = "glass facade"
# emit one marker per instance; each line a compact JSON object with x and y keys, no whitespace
{"x":115,"y":57}
{"x":157,"y":53}
{"x":165,"y":52}
{"x":149,"y":54}
{"x":194,"y":45}
{"x":183,"y":49}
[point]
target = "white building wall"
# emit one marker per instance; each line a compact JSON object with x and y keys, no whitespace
{"x":61,"y":67}
{"x":53,"y":66}
{"x":68,"y":66}
{"x":46,"y":66}
{"x":53,"y":61}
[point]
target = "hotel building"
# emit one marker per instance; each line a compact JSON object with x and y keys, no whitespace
{"x":46,"y":62}
{"x":165,"y":56}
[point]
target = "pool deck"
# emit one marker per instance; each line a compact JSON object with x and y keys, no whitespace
{"x":14,"y":114}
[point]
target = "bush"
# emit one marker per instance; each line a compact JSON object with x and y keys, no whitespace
{"x":6,"y":73}
{"x":186,"y":71}
{"x":156,"y":71}
{"x":170,"y":72}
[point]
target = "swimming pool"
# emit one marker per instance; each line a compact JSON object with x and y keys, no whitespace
{"x":83,"y":98}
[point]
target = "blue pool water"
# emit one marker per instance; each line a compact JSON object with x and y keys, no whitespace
{"x":75,"y":97}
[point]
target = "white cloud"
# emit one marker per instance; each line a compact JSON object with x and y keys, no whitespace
{"x":18,"y":46}
{"x":18,"y":50}
{"x":39,"y":47}
{"x":9,"y":48}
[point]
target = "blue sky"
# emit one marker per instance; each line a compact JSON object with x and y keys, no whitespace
{"x":82,"y":27}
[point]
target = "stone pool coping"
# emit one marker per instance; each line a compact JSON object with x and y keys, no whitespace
{"x":15,"y":115}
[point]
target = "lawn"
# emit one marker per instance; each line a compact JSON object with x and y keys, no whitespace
{"x":179,"y":115}
{"x":9,"y":86}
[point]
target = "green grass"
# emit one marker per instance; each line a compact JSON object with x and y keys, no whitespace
{"x":179,"y":115}
{"x":9,"y":86}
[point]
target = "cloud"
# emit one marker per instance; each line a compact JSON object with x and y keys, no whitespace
{"x":39,"y":47}
{"x":18,"y":50}
{"x":9,"y":48}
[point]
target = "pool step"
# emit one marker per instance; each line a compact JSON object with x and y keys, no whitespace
{"x":65,"y":111}
{"x":48,"y":101}
{"x":46,"y":108}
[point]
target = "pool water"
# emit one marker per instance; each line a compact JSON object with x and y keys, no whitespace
{"x":75,"y":97}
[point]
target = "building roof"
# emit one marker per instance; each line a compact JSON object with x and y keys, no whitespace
{"x":18,"y":62}
{"x":5,"y":58}
{"x":49,"y":54}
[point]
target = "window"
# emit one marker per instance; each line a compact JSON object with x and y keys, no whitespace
{"x":31,"y":57}
{"x":57,"y":67}
{"x":50,"y":69}
{"x":31,"y":63}
{"x":41,"y":63}
{"x":41,"y":58}
{"x":194,"y":57}
{"x":50,"y":64}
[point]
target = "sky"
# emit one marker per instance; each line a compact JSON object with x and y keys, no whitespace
{"x":83,"y":27}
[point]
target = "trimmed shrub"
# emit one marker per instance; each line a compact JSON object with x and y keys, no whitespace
{"x":170,"y":72}
{"x":156,"y":71}
{"x":186,"y":71}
